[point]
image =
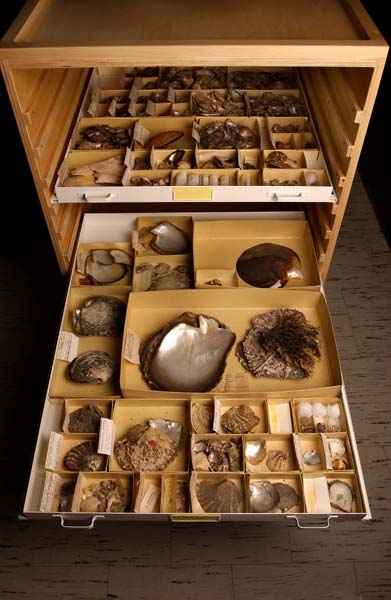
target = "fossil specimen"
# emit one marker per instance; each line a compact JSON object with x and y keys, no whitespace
{"x":221,"y":455}
{"x":163,"y":277}
{"x":103,"y":137}
{"x":164,"y":238}
{"x":311,"y":458}
{"x":186,"y":355}
{"x":85,"y":457}
{"x":239,"y":419}
{"x":173,"y":160}
{"x":217,"y":162}
{"x":288,"y":497}
{"x":263,"y":497}
{"x":65,"y":496}
{"x":202,"y":418}
{"x":107,"y":495}
{"x":278,"y":460}
{"x":262,"y":80}
{"x":269,"y":265}
{"x":341,"y":495}
{"x":215,"y":282}
{"x":93,"y":366}
{"x":104,"y":172}
{"x":255,"y":452}
{"x":103,"y":267}
{"x":100,"y":315}
{"x":85,"y":420}
{"x":289,"y":128}
{"x":219,"y":495}
{"x":281,"y":343}
{"x":279,"y":160}
{"x":226,"y":134}
{"x":215,"y":104}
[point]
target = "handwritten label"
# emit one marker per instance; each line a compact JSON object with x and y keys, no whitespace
{"x":106,"y":436}
{"x":49,"y":491}
{"x":55,"y":441}
{"x":141,"y":133}
{"x":68,"y":345}
{"x":217,"y":412}
{"x":132,"y":347}
{"x":233,"y":382}
{"x":150,"y":499}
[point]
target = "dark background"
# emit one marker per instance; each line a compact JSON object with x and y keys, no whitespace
{"x":32,"y":288}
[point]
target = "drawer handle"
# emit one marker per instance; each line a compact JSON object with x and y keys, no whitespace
{"x":300,"y":526}
{"x":90,"y":526}
{"x":275,"y":196}
{"x":195,"y":518}
{"x":106,"y":198}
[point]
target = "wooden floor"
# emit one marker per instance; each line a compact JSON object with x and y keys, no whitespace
{"x":40,"y":561}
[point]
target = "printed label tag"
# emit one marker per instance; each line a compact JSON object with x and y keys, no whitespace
{"x":196,"y":132}
{"x":106,"y":436}
{"x":141,"y":133}
{"x":297,"y":447}
{"x":216,"y":418}
{"x":233,"y":382}
{"x":55,"y":441}
{"x":68,"y":345}
{"x":132,"y":347}
{"x":49,"y":491}
{"x":149,"y":501}
{"x":329,"y":464}
{"x":128,"y":157}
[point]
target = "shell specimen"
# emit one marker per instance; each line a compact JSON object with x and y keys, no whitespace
{"x":220,"y":455}
{"x":215,"y":104}
{"x":186,"y":355}
{"x":145,"y":448}
{"x":196,"y":78}
{"x":164,"y":238}
{"x":160,"y":140}
{"x":100,"y":315}
{"x":311,"y":458}
{"x":202,"y":418}
{"x":105,"y":496}
{"x":218,"y":495}
{"x":288,"y":497}
{"x":163,"y":277}
{"x":226,"y":134}
{"x":182,"y":497}
{"x":277,"y":460}
{"x":93,"y":366}
{"x":65,"y":496}
{"x":104,"y":172}
{"x":263,"y":497}
{"x":262,"y":80}
{"x":269,"y":265}
{"x":85,"y":457}
{"x":281,"y":343}
{"x":339,"y":459}
{"x":103,"y":137}
{"x":273,"y":105}
{"x":279,"y":160}
{"x":85,"y":420}
{"x":341,"y":495}
{"x":239,"y":419}
{"x":103,"y":267}
{"x":255,"y":451}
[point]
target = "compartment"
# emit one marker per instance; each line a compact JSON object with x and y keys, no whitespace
{"x":147,"y":130}
{"x":177,"y":159}
{"x":204,"y":177}
{"x":269,"y":453}
{"x":58,"y":492}
{"x":175,"y":496}
{"x":318,"y":498}
{"x":312,"y":452}
{"x":82,"y":278}
{"x":166,"y":273}
{"x":71,"y":453}
{"x":72,"y":410}
{"x":221,"y":453}
{"x":116,"y":133}
{"x":202,"y":414}
{"x":143,"y":241}
{"x":323,"y":415}
{"x":269,"y":493}
{"x":76,"y":299}
{"x":148,"y":491}
{"x":215,"y":493}
{"x":103,"y":492}
{"x":240,"y":416}
{"x":279,"y":416}
{"x":338,"y":452}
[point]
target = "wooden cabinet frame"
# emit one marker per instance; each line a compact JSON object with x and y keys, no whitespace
{"x":47,"y":53}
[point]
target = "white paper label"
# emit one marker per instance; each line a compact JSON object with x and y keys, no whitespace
{"x":284,"y":418}
{"x":68,"y":345}
{"x":49,"y":491}
{"x":93,"y":107}
{"x":149,"y":501}
{"x":196,"y":132}
{"x":106,"y":436}
{"x":135,"y":240}
{"x":233,"y":382}
{"x":132,"y":346}
{"x":299,"y":456}
{"x":322,"y":505}
{"x":141,"y":133}
{"x":171,"y":95}
{"x":217,"y":412}
{"x":132,"y":107}
{"x":55,"y":441}
{"x":81,"y":261}
{"x":326,"y":449}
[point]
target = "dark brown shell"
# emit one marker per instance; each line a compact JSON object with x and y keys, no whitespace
{"x":161,"y":140}
{"x":85,"y":420}
{"x":93,"y":366}
{"x":239,"y":419}
{"x":288,"y":496}
{"x":218,"y":495}
{"x":85,"y":457}
{"x":268,"y":265}
{"x":100,"y":315}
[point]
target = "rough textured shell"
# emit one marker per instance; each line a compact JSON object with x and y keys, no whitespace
{"x":278,"y":460}
{"x":85,"y":420}
{"x":219,"y":495}
{"x":202,"y":418}
{"x":145,"y":448}
{"x":107,"y":495}
{"x":93,"y":366}
{"x":85,"y":457}
{"x":239,"y":419}
{"x":263,"y":497}
{"x":100,"y":315}
{"x":288,"y":496}
{"x":341,"y":495}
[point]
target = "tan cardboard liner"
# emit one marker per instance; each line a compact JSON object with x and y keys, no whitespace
{"x":291,"y":479}
{"x":273,"y":442}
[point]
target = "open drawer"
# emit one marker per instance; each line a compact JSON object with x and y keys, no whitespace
{"x":290,"y":422}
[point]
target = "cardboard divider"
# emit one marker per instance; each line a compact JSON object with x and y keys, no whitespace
{"x":184,"y":223}
{"x":200,"y":461}
{"x":158,"y":109}
{"x":312,"y":442}
{"x":136,"y":156}
{"x":304,"y":141}
{"x":79,"y":294}
{"x":180,"y":109}
{"x":237,"y":478}
{"x":71,"y":405}
{"x":138,"y":109}
{"x":80,"y":278}
{"x":249,"y":159}
{"x":160,"y":156}
{"x":329,"y":425}
{"x":279,"y":416}
{"x":85,"y":480}
{"x":148,"y":492}
{"x":275,"y":124}
{"x":216,"y":278}
{"x":315,"y":177}
{"x":316,"y":492}
{"x":143,"y":279}
{"x":217,"y":245}
{"x":144,"y":83}
{"x":171,"y":497}
{"x":258,"y":406}
{"x":284,"y":141}
{"x":291,"y":479}
{"x":272,"y":443}
{"x":128,"y":413}
{"x":204,"y":177}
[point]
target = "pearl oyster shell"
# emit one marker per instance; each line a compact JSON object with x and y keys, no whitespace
{"x":85,"y":457}
{"x":107,"y":495}
{"x":239,"y":419}
{"x":263,"y":497}
{"x":255,"y":451}
{"x":145,"y":448}
{"x":269,"y":266}
{"x":288,"y":497}
{"x":93,"y":366}
{"x":278,"y":460}
{"x":100,"y":315}
{"x":187,"y":355}
{"x":311,"y":458}
{"x":341,"y":495}
{"x":85,"y":420}
{"x":103,"y":266}
{"x":164,"y":238}
{"x":281,"y":343}
{"x":164,"y":277}
{"x":218,"y":495}
{"x":202,"y":418}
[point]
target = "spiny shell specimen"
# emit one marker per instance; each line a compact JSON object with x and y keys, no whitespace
{"x":277,"y":460}
{"x":186,"y":355}
{"x":311,"y":458}
{"x":93,"y":366}
{"x":85,"y":420}
{"x":256,"y":451}
{"x":239,"y":419}
{"x":66,"y":496}
{"x":145,"y":448}
{"x":202,"y":418}
{"x":85,"y":457}
{"x":341,"y":495}
{"x":100,"y":315}
{"x":269,"y":266}
{"x":288,"y":497}
{"x":263,"y":497}
{"x":218,"y":495}
{"x":105,"y":496}
{"x":281,"y":343}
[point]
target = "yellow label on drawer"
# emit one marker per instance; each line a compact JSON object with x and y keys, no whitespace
{"x":192,"y":194}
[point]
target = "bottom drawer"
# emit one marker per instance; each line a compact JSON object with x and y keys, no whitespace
{"x":279,"y":484}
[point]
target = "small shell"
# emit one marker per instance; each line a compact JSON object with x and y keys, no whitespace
{"x":100,"y":315}
{"x":85,"y":420}
{"x":277,"y":460}
{"x":93,"y":366}
{"x":288,"y":496}
{"x":218,"y":495}
{"x":341,"y":496}
{"x":84,"y":457}
{"x":256,"y":451}
{"x":239,"y":419}
{"x":202,"y":418}
{"x":66,"y":496}
{"x":311,"y":458}
{"x":263,"y":497}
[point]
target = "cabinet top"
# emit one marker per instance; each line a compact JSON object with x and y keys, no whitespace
{"x":178,"y":32}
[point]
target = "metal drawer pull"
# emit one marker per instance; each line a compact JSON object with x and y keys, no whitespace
{"x":276,"y":196}
{"x":107,"y":198}
{"x":90,"y":526}
{"x":326,"y":526}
